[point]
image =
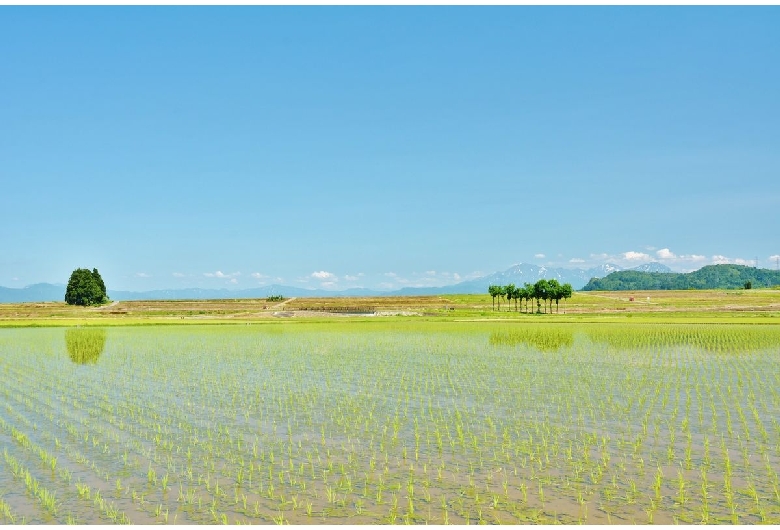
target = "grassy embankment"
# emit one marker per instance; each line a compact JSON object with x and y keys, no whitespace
{"x":744,"y":306}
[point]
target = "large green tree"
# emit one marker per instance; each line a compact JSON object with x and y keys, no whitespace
{"x":85,"y":287}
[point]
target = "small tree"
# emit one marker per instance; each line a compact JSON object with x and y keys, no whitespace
{"x":510,"y":294}
{"x":541,"y":292}
{"x":529,"y":294}
{"x":566,"y":291}
{"x":493,"y":291}
{"x":554,"y":293}
{"x":85,"y":287}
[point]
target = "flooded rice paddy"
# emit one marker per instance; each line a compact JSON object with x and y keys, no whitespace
{"x":391,"y":423}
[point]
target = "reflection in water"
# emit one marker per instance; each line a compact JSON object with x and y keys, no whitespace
{"x":712,"y":339}
{"x":85,"y":344}
{"x":543,"y":339}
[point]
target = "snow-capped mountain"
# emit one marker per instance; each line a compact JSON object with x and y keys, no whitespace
{"x":653,"y":266}
{"x":516,"y":274}
{"x":525,"y":272}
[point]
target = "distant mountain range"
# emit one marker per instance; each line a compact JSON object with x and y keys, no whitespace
{"x":525,"y":272}
{"x":709,"y":277}
{"x":517,"y":274}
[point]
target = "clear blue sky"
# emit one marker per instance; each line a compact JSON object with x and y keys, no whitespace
{"x":383,"y":146}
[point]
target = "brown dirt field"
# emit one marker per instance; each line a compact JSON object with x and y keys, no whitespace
{"x":757,"y":302}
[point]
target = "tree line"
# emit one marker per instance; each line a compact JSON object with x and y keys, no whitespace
{"x":724,"y":276}
{"x":542,"y":291}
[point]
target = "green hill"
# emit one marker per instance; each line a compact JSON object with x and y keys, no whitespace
{"x":709,"y":277}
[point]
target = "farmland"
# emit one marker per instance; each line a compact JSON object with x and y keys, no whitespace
{"x":757,"y":305}
{"x":428,"y":419}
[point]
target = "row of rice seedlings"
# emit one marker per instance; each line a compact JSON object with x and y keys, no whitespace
{"x":46,"y":497}
{"x":7,"y":515}
{"x":461,"y":441}
{"x":111,"y":512}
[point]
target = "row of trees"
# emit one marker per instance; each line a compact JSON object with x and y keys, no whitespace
{"x":542,"y":291}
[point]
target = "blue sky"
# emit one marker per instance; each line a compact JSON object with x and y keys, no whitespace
{"x":383,"y":146}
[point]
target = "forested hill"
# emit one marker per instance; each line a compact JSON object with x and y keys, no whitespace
{"x":709,"y":277}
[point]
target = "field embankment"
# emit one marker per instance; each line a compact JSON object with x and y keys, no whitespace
{"x":755,"y":305}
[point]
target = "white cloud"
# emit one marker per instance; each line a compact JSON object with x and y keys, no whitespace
{"x":178,"y":275}
{"x":328,"y":284}
{"x":539,"y":256}
{"x":323,"y":275}
{"x":391,"y":274}
{"x":142,"y":275}
{"x":636,"y":256}
{"x":679,"y":262}
{"x":15,"y":279}
{"x":233,"y":281}
{"x":456,"y":276}
{"x":430,"y":273}
{"x":720,"y":259}
{"x":258,"y":276}
{"x":220,"y":274}
{"x":775,"y":257}
{"x":350,"y":278}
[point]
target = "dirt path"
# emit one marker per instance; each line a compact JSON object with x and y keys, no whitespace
{"x":280,"y":305}
{"x":104,"y":307}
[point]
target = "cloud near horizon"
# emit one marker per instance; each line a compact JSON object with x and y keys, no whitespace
{"x":323,"y":275}
{"x":680,"y":262}
{"x":220,"y":274}
{"x":636,"y":256}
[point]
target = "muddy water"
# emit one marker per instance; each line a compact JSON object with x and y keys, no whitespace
{"x":265,"y":425}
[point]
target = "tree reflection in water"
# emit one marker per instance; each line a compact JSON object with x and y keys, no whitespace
{"x":85,"y":344}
